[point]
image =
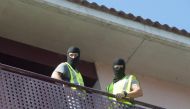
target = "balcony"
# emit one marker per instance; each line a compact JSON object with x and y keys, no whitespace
{"x":21,"y":89}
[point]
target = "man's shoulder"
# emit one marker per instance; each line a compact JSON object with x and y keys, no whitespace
{"x":130,"y":75}
{"x":63,"y":64}
{"x":62,"y":67}
{"x":133,"y":77}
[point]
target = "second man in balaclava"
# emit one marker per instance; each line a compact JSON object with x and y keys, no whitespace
{"x":123,"y":86}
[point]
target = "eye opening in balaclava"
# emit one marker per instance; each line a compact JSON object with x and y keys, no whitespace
{"x":119,"y":69}
{"x":73,"y":61}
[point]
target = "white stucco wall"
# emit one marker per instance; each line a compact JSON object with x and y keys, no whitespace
{"x":157,"y":92}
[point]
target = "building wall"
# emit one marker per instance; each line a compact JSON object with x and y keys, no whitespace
{"x":40,"y":60}
{"x":156,"y":91}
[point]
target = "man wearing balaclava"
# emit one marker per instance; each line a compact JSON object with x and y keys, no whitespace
{"x":123,"y":86}
{"x":67,"y":71}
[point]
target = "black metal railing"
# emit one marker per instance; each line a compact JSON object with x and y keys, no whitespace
{"x":21,"y":89}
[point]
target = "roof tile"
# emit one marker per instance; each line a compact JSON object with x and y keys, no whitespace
{"x":104,"y":8}
{"x":157,"y":24}
{"x":113,"y":11}
{"x":85,"y":3}
{"x":184,"y":32}
{"x":130,"y":16}
{"x":139,"y":19}
{"x":166,"y":27}
{"x":174,"y":29}
{"x":121,"y":13}
{"x":94,"y":5}
{"x":148,"y":22}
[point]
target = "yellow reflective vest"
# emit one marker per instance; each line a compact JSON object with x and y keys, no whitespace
{"x":122,"y":85}
{"x":75,"y":77}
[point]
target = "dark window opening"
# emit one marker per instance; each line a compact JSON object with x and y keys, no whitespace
{"x":36,"y":67}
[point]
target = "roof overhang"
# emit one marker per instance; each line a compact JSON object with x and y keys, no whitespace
{"x":57,"y":24}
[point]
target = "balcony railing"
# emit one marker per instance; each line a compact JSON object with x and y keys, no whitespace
{"x":21,"y":89}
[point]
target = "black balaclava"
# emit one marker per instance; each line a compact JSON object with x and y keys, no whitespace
{"x":118,"y":73}
{"x":75,"y":61}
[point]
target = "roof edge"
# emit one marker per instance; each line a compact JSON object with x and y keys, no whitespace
{"x":132,"y":17}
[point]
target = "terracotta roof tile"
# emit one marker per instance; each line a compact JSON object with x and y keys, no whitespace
{"x":176,"y":30}
{"x":103,"y":8}
{"x":184,"y":32}
{"x":113,"y":11}
{"x":166,"y":27}
{"x":148,"y":22}
{"x":139,"y":19}
{"x":157,"y":24}
{"x":121,"y":13}
{"x":94,"y":6}
{"x":85,"y":3}
{"x":131,"y":17}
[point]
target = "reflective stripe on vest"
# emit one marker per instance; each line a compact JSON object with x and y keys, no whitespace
{"x":127,"y":85}
{"x":76,"y":77}
{"x":127,"y":88}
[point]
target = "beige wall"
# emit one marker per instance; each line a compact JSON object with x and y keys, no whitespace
{"x":158,"y":92}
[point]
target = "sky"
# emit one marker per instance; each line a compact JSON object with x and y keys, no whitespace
{"x":175,"y":13}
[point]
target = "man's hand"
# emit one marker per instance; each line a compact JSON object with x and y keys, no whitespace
{"x":121,"y":95}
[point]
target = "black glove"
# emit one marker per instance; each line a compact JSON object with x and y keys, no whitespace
{"x":121,"y":95}
{"x":125,"y":93}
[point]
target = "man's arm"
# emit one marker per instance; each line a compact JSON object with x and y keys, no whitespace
{"x":59,"y":71}
{"x":56,"y":75}
{"x":135,"y":92}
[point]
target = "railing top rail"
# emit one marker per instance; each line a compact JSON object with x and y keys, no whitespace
{"x":58,"y":82}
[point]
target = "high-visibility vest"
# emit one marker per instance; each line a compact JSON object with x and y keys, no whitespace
{"x":126,"y":87}
{"x":75,"y":77}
